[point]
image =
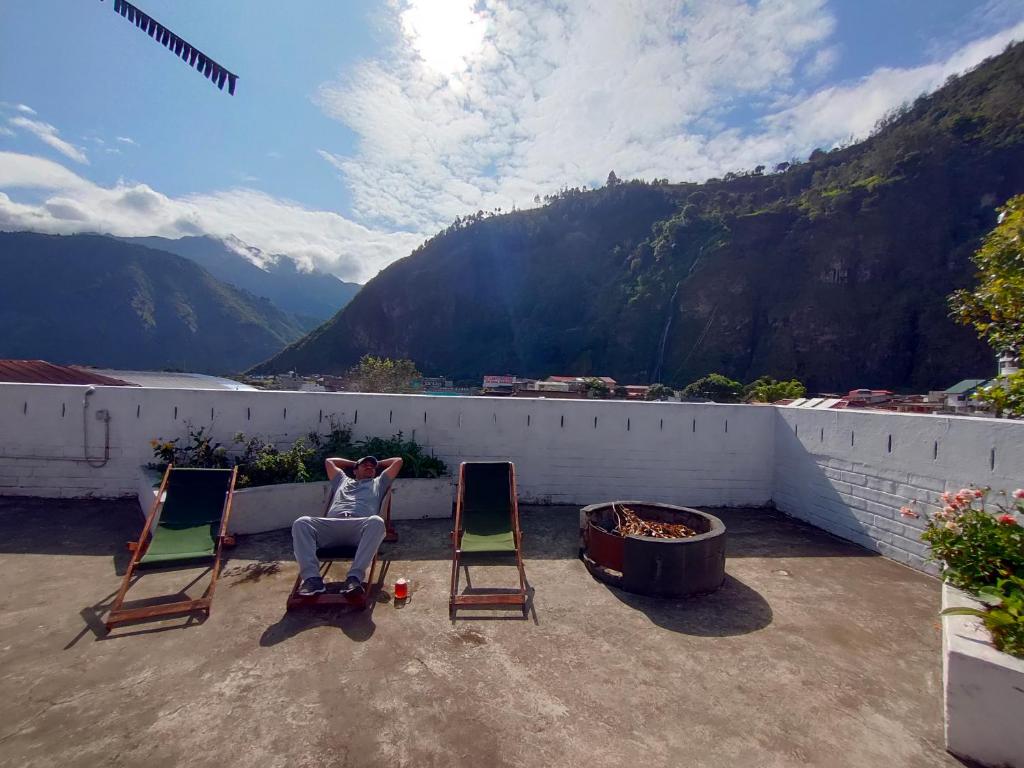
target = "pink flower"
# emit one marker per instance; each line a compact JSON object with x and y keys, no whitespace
{"x":948,"y":510}
{"x":978,"y":493}
{"x":908,"y":512}
{"x":951,"y":526}
{"x":1007,"y":520}
{"x":1019,"y":493}
{"x":946,"y":496}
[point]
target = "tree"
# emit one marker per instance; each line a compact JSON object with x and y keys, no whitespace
{"x":1005,"y":395}
{"x":715,"y":387}
{"x":594,"y":387}
{"x":659,"y":392}
{"x":768,"y":390}
{"x":996,"y":305}
{"x":382,"y":374}
{"x":612,"y":179}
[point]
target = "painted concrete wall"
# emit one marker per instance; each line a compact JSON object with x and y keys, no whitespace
{"x":565,"y":451}
{"x":849,"y":472}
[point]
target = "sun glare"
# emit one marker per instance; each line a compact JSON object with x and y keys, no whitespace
{"x":445,"y":33}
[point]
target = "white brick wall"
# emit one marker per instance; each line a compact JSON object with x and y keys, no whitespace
{"x":849,"y":472}
{"x":845,"y":471}
{"x":566,"y":451}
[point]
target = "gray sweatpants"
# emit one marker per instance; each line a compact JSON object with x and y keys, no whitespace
{"x":308,"y":533}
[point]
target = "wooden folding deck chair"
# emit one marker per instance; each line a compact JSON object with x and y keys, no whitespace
{"x":487,"y":524}
{"x":194,"y":506}
{"x":329,"y":555}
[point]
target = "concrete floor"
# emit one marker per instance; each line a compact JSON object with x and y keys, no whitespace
{"x":814,"y":652}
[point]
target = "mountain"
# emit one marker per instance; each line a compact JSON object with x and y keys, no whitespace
{"x":311,"y":297}
{"x":100,"y":301}
{"x":834,"y":270}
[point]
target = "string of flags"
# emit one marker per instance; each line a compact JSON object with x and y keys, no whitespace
{"x":188,"y":53}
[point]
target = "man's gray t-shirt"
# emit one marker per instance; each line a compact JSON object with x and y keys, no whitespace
{"x":359,"y":498}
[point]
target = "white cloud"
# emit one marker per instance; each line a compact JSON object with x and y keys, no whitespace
{"x":47,"y":134}
{"x":503,"y":103}
{"x":4,"y":131}
{"x":127,"y":140}
{"x":838,"y":112}
{"x":314,"y":238}
{"x":25,"y":108}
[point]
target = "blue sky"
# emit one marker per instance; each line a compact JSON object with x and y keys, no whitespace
{"x":358,"y":129}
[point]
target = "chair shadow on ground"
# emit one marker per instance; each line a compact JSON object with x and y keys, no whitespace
{"x":493,"y":612}
{"x":733,"y":609}
{"x":357,"y":624}
{"x":92,"y":615}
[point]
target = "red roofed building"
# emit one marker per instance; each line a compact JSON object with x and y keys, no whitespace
{"x":42,"y":372}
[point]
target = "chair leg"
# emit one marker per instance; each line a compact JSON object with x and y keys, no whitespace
{"x":455,"y":584}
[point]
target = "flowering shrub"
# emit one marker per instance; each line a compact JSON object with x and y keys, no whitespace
{"x":982,"y":552}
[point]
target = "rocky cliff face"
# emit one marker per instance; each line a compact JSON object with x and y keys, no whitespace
{"x":835,"y":271}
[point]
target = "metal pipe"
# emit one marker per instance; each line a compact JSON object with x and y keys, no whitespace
{"x":103,"y":415}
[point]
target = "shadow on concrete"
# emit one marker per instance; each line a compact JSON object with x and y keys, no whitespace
{"x":766,"y":532}
{"x":92,"y":616}
{"x":103,"y":527}
{"x":68,"y":526}
{"x":734,"y":609}
{"x":356,"y":623}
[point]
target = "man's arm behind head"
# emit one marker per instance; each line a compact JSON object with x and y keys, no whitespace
{"x":390,"y":467}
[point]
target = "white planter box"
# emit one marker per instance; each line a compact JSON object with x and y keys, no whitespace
{"x":417,"y":498}
{"x":273,"y":507}
{"x":984,"y":690}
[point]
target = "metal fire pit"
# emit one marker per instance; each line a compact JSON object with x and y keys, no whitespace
{"x":649,"y":566}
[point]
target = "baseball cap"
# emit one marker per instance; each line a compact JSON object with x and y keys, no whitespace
{"x":371,"y":459}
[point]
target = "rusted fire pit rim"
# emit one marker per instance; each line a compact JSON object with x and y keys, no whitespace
{"x":717,"y":527}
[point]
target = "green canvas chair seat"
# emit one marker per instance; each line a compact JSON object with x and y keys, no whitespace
{"x":488,"y":543}
{"x":487,"y":523}
{"x":186,"y":527}
{"x":190,"y":520}
{"x":173,"y":543}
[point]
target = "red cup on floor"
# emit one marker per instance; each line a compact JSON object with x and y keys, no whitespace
{"x":401,"y":589}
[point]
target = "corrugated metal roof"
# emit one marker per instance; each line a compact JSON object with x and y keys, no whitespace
{"x":168,"y":380}
{"x":42,"y":372}
{"x":965,"y":386}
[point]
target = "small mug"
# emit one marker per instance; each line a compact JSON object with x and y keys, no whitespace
{"x":401,"y":589}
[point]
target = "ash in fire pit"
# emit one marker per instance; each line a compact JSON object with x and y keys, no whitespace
{"x":653,"y":549}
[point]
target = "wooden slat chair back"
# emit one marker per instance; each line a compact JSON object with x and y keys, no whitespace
{"x":487,"y":525}
{"x":329,"y":555}
{"x":186,"y":527}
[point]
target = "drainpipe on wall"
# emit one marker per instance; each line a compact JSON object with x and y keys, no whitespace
{"x":101,"y":415}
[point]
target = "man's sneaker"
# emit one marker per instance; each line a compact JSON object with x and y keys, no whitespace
{"x":312,"y":586}
{"x":353,"y":587}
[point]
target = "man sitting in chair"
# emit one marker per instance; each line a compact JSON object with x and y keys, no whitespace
{"x":353,"y":519}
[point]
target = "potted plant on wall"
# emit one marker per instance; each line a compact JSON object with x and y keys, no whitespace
{"x":980,"y":549}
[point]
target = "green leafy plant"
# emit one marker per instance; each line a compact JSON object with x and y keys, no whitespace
{"x":262,"y":463}
{"x":982,"y":552}
{"x":715,"y":387}
{"x":197,"y":449}
{"x":594,"y":387}
{"x":1004,"y":616}
{"x":995,"y":307}
{"x":382,"y":374}
{"x":1005,"y":395}
{"x":768,"y":390}
{"x":659,"y":392}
